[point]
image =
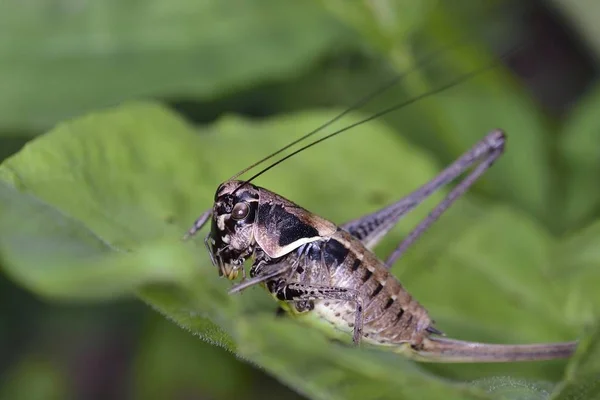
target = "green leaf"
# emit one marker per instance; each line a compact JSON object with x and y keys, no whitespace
{"x":322,"y":370}
{"x":578,"y":145}
{"x":59,"y":60}
{"x":111,"y":186}
{"x":577,"y":264}
{"x":582,"y":378}
{"x":81,"y":230}
{"x":515,"y":388}
{"x":96,"y":207}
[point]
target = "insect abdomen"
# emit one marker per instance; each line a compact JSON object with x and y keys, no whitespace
{"x":391,"y":315}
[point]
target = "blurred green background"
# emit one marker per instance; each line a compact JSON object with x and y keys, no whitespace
{"x":262,"y":65}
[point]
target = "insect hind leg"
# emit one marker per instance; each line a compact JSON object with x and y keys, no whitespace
{"x":297,"y":292}
{"x":371,"y":228}
{"x":482,"y":156}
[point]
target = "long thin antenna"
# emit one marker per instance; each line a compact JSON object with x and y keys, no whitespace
{"x":453,"y":83}
{"x":359,"y":104}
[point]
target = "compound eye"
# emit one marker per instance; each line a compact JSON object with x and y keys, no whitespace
{"x":240,"y":211}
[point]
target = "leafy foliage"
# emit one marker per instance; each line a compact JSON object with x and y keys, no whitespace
{"x":94,"y":209}
{"x":100,"y":53}
{"x":115,"y":231}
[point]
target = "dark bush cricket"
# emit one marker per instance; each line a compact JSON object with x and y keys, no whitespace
{"x":311,"y":265}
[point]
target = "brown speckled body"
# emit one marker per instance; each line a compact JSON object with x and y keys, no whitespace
{"x":390,"y":314}
{"x":315,"y":267}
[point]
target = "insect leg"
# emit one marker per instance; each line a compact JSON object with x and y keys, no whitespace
{"x":198,"y":224}
{"x":486,"y":152}
{"x":300,"y":292}
{"x":371,"y":228}
{"x":255,"y":280}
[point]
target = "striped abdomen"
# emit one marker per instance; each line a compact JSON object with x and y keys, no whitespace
{"x":391,"y":315}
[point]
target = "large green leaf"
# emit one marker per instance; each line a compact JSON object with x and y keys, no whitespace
{"x":95,"y":209}
{"x":64,"y":59}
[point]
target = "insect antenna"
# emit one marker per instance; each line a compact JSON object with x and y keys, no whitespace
{"x":359,"y":104}
{"x":439,"y":89}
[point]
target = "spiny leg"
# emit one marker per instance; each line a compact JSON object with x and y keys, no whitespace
{"x":198,"y":224}
{"x":486,"y":152}
{"x":256,"y":280}
{"x":299,"y":292}
{"x":371,"y":228}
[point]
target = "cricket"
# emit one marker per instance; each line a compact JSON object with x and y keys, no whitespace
{"x":311,"y":265}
